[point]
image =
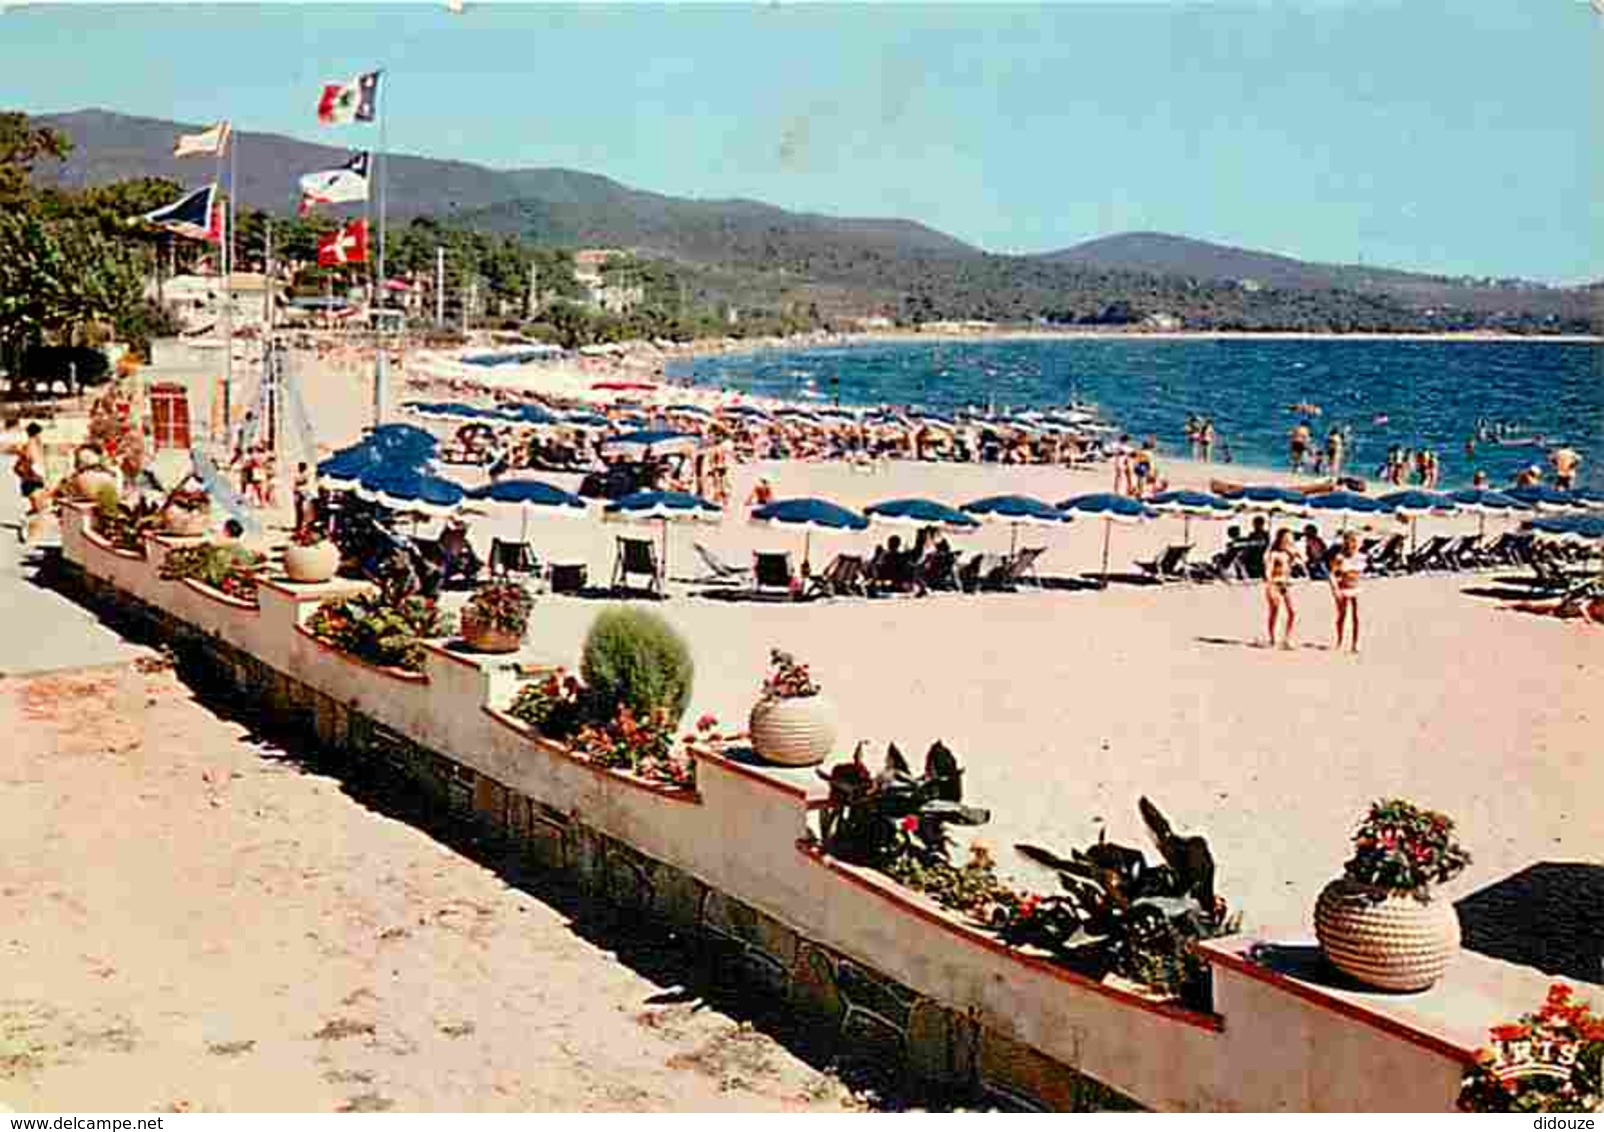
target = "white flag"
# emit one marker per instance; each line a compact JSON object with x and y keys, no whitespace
{"x":337,"y":186}
{"x":210,"y":142}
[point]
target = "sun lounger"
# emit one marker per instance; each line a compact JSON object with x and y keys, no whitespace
{"x":637,"y":557}
{"x":1169,"y":566}
{"x":1429,"y":556}
{"x":843,"y":577}
{"x":719,"y":571}
{"x":508,"y":558}
{"x":772,"y":571}
{"x":1023,"y":565}
{"x":1387,"y":558}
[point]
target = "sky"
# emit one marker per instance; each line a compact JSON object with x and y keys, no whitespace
{"x":1458,"y":137}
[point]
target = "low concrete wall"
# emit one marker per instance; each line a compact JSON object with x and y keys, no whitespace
{"x":733,"y":859}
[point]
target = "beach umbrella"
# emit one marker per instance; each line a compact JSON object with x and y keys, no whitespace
{"x":579,"y":418}
{"x":1545,"y":498}
{"x":1110,"y":508}
{"x":809,"y":515}
{"x":1191,"y":505}
{"x":661,"y":442}
{"x":1345,"y":505}
{"x":1271,"y":498}
{"x":343,"y":470}
{"x":663,"y":508}
{"x":412,"y":490}
{"x":402,"y":438}
{"x":1414,"y":503}
{"x":1017,"y":511}
{"x":1574,"y":528}
{"x":531,"y":414}
{"x":525,"y":496}
{"x":685,"y":410}
{"x":1483,"y":502}
{"x":1588,"y":497}
{"x":752,"y":412}
{"x":919,"y":513}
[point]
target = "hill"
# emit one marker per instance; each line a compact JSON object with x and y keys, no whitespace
{"x":750,"y":253}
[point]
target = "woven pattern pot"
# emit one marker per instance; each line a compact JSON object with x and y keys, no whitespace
{"x":799,"y":731}
{"x":1394,"y":943}
{"x":185,"y":523}
{"x":315,"y":563}
{"x":482,"y":637}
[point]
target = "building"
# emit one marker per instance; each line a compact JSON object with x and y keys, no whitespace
{"x":614,"y":298}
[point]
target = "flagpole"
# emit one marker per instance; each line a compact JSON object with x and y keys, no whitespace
{"x":228,"y":290}
{"x":380,"y":360}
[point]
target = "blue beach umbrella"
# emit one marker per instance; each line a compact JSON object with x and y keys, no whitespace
{"x":1414,"y":503}
{"x":661,"y":442}
{"x":412,"y":490}
{"x":579,"y":418}
{"x":750,"y":412}
{"x":402,"y":438}
{"x":1545,"y":498}
{"x":530,"y":413}
{"x":1270,"y":498}
{"x":525,"y":496}
{"x":808,"y":515}
{"x":1110,"y":508}
{"x":687,"y":410}
{"x":1483,"y":502}
{"x":1191,"y":505}
{"x":1588,"y":497}
{"x":1017,"y":511}
{"x":1345,"y":505}
{"x":345,"y":469}
{"x":663,"y":507}
{"x":919,"y":513}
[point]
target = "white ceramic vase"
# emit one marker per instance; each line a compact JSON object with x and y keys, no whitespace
{"x":795,"y":731}
{"x":1386,"y":940}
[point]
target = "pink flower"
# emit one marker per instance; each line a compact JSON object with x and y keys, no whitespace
{"x":909,"y":824}
{"x":707,"y":722}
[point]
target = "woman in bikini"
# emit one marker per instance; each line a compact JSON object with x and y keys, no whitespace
{"x":1346,"y":568}
{"x":1278,"y":586}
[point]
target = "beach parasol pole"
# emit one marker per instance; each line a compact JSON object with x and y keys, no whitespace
{"x":1108,"y":527}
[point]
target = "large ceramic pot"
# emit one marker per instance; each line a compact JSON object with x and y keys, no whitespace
{"x":315,"y":563}
{"x":481,"y":636}
{"x":1386,"y":940}
{"x":795,"y":731}
{"x":186,"y":523}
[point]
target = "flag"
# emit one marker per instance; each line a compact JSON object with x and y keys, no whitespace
{"x":197,"y":216}
{"x":337,"y":186}
{"x":348,"y":245}
{"x":354,"y":101}
{"x":211,"y":143}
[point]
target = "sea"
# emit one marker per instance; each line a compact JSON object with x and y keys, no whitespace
{"x":1381,"y":392}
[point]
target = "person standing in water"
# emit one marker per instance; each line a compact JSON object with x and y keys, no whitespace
{"x":1334,"y":452}
{"x":1298,"y":445}
{"x":1565,"y":461}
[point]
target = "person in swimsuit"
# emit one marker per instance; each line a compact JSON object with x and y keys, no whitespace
{"x":1298,"y":444}
{"x":1278,"y":586}
{"x":1346,"y":568}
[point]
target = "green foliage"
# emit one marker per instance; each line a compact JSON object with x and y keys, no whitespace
{"x":504,"y":606}
{"x":21,"y":145}
{"x":553,"y":705}
{"x":57,"y":276}
{"x":379,"y":631}
{"x":229,"y":569}
{"x":122,"y":525}
{"x":634,"y":658}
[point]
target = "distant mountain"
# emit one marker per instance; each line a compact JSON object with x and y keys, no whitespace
{"x":747,"y":252}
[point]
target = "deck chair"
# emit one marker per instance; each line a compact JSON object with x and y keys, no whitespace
{"x":1462,"y":555}
{"x":1226,"y":566}
{"x":719,"y":571}
{"x":1387,"y":558}
{"x":991,"y":572}
{"x":772,"y":570}
{"x":1549,"y":571}
{"x":1430,"y":556}
{"x":843,"y":577}
{"x":1023,"y":565}
{"x":508,"y":558}
{"x":1169,"y":566}
{"x":637,"y":557}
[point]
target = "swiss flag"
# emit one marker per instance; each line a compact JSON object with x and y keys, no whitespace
{"x":348,"y":245}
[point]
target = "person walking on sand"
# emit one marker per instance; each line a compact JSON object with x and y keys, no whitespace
{"x":1346,"y":567}
{"x":1278,"y":586}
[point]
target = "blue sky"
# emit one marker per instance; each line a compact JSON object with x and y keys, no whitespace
{"x":1459,"y":137}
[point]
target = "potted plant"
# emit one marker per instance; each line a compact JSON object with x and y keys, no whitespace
{"x":1550,"y":1061}
{"x":310,"y":557}
{"x":1378,"y":922}
{"x":187,"y":512}
{"x":91,"y":478}
{"x":496,"y":617}
{"x":791,"y":724}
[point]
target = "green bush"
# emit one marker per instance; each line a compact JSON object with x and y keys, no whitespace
{"x":634,"y":658}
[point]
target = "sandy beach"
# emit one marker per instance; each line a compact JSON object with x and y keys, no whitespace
{"x":247,"y":933}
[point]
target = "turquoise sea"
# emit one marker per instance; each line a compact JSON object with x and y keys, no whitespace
{"x":1408,"y":393}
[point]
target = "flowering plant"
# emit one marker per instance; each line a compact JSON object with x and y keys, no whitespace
{"x":642,"y":744}
{"x":553,"y":705}
{"x":380,"y":631}
{"x":189,"y":499}
{"x":787,"y":678}
{"x":1549,"y":1061}
{"x":500,"y":605}
{"x":1402,"y":848}
{"x":229,"y":569}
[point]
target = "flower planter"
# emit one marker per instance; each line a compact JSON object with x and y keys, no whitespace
{"x":89,"y":483}
{"x":794,"y":730}
{"x":185,"y":523}
{"x":1386,"y":940}
{"x":483,"y":637}
{"x":308,"y":564}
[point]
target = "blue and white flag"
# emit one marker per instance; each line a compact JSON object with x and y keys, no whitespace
{"x":337,"y":186}
{"x":194,"y":216}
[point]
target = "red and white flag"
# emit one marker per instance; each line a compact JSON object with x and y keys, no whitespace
{"x":353,"y":101}
{"x":348,"y":245}
{"x":208,"y":143}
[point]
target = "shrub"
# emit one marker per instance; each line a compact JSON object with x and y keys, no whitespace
{"x":229,"y":569}
{"x":378,"y":631}
{"x":633,"y":658}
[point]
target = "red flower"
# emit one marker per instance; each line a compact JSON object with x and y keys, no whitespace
{"x":707,"y":722}
{"x":1559,"y":993}
{"x":1027,"y":907}
{"x":909,"y":824}
{"x":1509,"y":1032}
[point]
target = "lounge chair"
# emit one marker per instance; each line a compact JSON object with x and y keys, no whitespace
{"x":1022,"y":565}
{"x":1464,"y":552}
{"x":1388,"y":558}
{"x":988,"y":572}
{"x":1169,"y":566}
{"x":637,"y":557}
{"x":1226,"y":566}
{"x":772,"y":571}
{"x":1549,"y":571}
{"x":719,"y":571}
{"x":508,"y":558}
{"x":1430,"y":556}
{"x":843,"y":577}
